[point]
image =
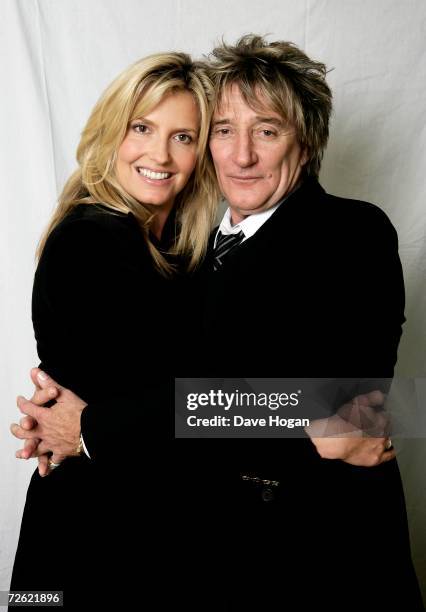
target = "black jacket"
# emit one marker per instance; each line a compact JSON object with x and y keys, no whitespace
{"x":106,"y":324}
{"x":317,"y":292}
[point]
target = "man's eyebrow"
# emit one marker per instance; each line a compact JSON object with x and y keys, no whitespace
{"x":272,"y":120}
{"x":260,"y":119}
{"x":221,"y":121}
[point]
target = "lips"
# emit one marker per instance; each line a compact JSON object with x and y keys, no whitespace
{"x":243,"y":179}
{"x":151,"y":174}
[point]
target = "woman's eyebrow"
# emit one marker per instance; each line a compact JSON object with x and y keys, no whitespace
{"x":185,"y":130}
{"x":153,"y":124}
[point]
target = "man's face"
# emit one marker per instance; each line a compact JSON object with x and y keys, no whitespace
{"x":257,"y":157}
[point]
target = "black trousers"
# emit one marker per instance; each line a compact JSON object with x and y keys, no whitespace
{"x":329,"y":535}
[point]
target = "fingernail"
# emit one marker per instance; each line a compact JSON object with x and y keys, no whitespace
{"x":42,"y":375}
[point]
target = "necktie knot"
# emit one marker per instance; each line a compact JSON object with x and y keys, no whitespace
{"x":224,"y":244}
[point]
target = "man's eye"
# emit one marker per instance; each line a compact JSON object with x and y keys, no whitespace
{"x":223,"y":131}
{"x":268,"y":133}
{"x":184,"y":138}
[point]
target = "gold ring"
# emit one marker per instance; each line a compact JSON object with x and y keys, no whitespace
{"x":52,"y":465}
{"x":388,"y":444}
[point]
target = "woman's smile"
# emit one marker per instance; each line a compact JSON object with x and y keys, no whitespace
{"x":158,"y":155}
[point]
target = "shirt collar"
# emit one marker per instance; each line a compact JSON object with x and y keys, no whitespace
{"x":250,"y":224}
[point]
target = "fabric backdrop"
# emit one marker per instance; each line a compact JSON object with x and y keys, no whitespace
{"x":58,"y":55}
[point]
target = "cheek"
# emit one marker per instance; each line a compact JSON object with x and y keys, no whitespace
{"x":123,"y":153}
{"x":188,"y":163}
{"x":218,"y":154}
{"x":128,"y":151}
{"x":281,"y":166}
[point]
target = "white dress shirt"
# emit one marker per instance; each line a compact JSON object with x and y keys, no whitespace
{"x":250,"y":224}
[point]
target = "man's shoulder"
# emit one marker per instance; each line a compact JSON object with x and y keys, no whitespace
{"x":317,"y":208}
{"x":356,"y":215}
{"x":357,"y":208}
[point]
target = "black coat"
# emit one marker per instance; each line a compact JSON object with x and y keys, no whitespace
{"x":316,"y":292}
{"x":106,"y":325}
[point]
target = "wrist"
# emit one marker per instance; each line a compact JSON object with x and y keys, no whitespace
{"x":80,"y":447}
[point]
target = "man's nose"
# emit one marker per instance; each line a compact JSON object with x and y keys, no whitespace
{"x":244,"y":150}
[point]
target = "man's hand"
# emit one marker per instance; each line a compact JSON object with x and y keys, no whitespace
{"x":357,"y":434}
{"x":55,"y":429}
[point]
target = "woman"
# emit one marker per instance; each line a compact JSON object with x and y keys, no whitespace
{"x":108,"y":309}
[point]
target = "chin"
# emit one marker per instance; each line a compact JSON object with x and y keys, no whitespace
{"x":248,"y":206}
{"x":151,"y":202}
{"x":246,"y":201}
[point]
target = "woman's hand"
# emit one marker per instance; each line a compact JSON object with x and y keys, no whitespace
{"x":31,"y":446}
{"x":60,"y":426}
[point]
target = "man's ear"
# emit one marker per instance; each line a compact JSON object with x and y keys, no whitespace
{"x":304,"y":158}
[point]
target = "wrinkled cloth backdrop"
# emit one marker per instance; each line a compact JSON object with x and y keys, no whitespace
{"x":58,"y":55}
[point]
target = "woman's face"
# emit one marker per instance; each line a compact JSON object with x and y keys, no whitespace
{"x":159,"y":152}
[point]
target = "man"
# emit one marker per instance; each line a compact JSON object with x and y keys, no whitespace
{"x":297,"y":283}
{"x":312,"y":287}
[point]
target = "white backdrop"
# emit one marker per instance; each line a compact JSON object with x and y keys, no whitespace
{"x":58,"y":55}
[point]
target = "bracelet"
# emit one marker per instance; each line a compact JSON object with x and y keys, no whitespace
{"x":80,"y":447}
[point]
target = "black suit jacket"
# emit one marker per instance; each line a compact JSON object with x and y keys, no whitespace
{"x":318,"y":291}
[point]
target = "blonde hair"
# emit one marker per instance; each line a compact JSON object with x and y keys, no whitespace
{"x":287,"y":78}
{"x":132,"y":94}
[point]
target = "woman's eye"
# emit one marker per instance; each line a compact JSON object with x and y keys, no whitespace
{"x":140,"y":128}
{"x":184,"y":138}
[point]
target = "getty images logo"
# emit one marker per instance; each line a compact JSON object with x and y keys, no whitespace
{"x":238,"y":399}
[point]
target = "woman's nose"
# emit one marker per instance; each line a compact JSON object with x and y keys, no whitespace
{"x":160,"y":152}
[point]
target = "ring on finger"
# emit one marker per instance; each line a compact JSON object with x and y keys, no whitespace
{"x":52,"y":465}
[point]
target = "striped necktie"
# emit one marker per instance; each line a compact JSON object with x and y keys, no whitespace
{"x":224,"y":244}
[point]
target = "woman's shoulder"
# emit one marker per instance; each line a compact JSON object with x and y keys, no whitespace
{"x":96,"y":218}
{"x":94,"y":226}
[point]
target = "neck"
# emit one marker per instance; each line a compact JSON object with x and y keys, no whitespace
{"x":158,"y":224}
